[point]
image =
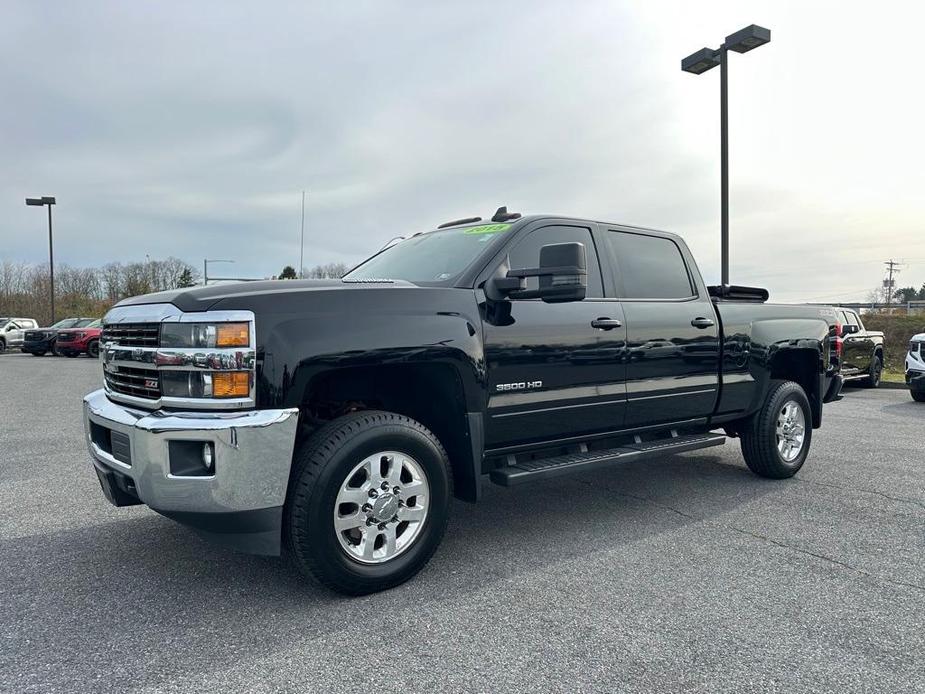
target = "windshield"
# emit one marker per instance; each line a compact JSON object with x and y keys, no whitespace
{"x":436,"y":256}
{"x":85,"y":322}
{"x":98,"y":323}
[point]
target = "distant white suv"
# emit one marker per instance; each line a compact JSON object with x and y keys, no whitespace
{"x":915,"y":367}
{"x":13,"y":329}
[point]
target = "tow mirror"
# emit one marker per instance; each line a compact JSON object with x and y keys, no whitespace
{"x":563,"y":274}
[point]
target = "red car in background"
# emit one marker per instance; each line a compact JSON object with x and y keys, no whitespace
{"x":74,"y":341}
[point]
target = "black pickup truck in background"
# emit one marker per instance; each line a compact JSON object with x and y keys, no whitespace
{"x":338,"y":418}
{"x":861,"y":350}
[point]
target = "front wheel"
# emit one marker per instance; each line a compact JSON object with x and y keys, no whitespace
{"x":918,"y":395}
{"x":368,"y":502}
{"x":93,"y":349}
{"x":775,"y":440}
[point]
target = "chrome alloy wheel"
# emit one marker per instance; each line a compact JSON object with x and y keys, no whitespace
{"x":791,"y":431}
{"x":381,"y":507}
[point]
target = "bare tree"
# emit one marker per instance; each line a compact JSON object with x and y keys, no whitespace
{"x":326,"y":271}
{"x":24,"y":288}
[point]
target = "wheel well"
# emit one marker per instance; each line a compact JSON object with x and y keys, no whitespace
{"x":431,"y":394}
{"x":801,"y":366}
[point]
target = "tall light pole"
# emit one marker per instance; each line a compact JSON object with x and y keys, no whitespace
{"x":205,"y":268}
{"x":302,"y":242}
{"x":697,"y":63}
{"x":39,"y":202}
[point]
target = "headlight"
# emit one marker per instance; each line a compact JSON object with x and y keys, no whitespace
{"x":206,"y":384}
{"x":200,"y":335}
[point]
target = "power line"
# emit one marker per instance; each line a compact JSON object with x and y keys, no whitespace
{"x":835,"y":296}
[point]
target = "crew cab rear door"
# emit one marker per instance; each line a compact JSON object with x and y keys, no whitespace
{"x":672,"y":372}
{"x":552,"y":373}
{"x":857,"y":345}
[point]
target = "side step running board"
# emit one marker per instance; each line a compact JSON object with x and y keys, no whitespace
{"x":556,"y":466}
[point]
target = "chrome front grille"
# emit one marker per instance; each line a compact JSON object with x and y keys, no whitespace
{"x":133,"y":334}
{"x":143,"y":367}
{"x":128,"y":380}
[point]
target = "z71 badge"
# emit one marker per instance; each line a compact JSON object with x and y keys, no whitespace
{"x":523,"y":385}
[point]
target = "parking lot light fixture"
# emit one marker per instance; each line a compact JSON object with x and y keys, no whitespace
{"x":697,"y":63}
{"x":701,"y":61}
{"x":40,"y":202}
{"x":748,"y":38}
{"x":205,"y":268}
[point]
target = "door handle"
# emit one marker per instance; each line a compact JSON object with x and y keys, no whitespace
{"x":702,"y":323}
{"x":606,"y":323}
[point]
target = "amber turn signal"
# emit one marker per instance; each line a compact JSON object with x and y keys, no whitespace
{"x":232,"y":335}
{"x":231,"y":384}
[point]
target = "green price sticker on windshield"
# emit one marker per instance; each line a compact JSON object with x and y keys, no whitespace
{"x":487,"y":229}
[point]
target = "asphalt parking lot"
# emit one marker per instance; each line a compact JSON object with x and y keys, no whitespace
{"x":686,"y":574}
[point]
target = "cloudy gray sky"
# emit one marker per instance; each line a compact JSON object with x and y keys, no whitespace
{"x":189,"y":129}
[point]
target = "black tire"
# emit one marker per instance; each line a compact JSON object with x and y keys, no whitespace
{"x":2,"y":346}
{"x":874,"y":373}
{"x":322,"y":463}
{"x":918,"y":395}
{"x":93,"y":349}
{"x":759,"y":433}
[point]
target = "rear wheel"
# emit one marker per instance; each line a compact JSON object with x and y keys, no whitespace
{"x":368,"y":502}
{"x":775,"y":441}
{"x":93,"y":349}
{"x":874,"y":373}
{"x":918,"y":395}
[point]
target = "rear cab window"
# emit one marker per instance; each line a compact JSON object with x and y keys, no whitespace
{"x":650,"y":267}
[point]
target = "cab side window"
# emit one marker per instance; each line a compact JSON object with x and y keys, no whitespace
{"x":650,"y":267}
{"x":526,"y":253}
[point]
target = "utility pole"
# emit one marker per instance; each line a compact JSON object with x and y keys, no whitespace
{"x":892,"y":266}
{"x":302,"y":242}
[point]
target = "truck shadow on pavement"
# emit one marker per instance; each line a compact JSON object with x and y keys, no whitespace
{"x":906,"y":409}
{"x":81,"y":601}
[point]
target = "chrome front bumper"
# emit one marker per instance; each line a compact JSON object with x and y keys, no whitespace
{"x":239,"y":504}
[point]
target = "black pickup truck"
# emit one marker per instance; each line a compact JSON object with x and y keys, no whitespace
{"x":861,"y":350}
{"x":338,"y":418}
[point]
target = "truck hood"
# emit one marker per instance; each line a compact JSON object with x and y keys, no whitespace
{"x":203,"y":298}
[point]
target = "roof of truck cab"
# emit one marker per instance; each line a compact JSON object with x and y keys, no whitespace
{"x":527,"y":219}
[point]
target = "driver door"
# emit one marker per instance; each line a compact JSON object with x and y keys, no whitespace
{"x":551,"y":372}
